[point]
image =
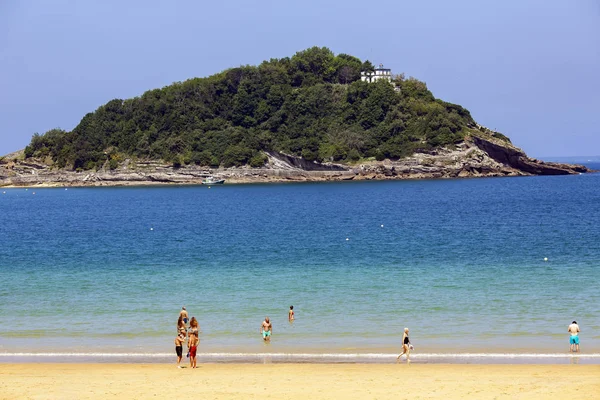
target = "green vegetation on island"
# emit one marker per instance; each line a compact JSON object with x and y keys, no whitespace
{"x":312,"y":105}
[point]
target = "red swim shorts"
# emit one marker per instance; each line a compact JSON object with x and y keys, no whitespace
{"x":193,"y":351}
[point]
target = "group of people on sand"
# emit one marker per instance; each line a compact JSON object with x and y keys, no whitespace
{"x":192,"y":335}
{"x":266,"y":330}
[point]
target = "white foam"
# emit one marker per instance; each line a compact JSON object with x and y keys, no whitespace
{"x":316,"y":355}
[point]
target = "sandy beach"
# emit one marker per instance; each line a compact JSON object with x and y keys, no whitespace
{"x":299,"y":381}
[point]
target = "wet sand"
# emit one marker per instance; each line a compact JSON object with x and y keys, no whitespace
{"x":299,"y":381}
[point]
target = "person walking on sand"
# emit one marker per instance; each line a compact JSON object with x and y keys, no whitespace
{"x":406,"y":346}
{"x":574,"y":339}
{"x":184,"y":315}
{"x":179,"y":339}
{"x":291,"y":314}
{"x":266,"y":329}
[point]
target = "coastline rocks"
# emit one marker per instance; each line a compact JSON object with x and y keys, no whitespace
{"x":517,"y":159}
{"x":475,"y":157}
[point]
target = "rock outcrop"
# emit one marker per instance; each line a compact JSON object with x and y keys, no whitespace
{"x":517,"y":159}
{"x":477,"y":156}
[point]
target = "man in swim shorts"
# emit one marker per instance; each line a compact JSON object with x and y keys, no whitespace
{"x":183,"y":313}
{"x":266,"y":329}
{"x":574,"y":339}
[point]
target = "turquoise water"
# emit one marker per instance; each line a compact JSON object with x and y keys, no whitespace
{"x":102,"y":272}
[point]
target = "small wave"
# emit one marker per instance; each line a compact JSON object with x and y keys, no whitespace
{"x":506,"y":355}
{"x":108,"y":355}
{"x":313,"y":356}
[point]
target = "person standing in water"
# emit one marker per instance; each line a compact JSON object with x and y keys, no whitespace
{"x":574,"y":339}
{"x":291,"y":314}
{"x":406,"y":346}
{"x":266,"y":329}
{"x":183,"y":314}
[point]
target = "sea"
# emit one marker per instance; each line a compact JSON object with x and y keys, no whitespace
{"x":487,"y":270}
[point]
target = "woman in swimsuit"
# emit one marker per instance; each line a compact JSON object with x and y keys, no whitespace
{"x":405,"y":346}
{"x":194,"y":327}
{"x":179,"y":346}
{"x":180,"y":324}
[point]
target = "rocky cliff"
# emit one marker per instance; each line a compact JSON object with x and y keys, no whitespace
{"x":477,"y":156}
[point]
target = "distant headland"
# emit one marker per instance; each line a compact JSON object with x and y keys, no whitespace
{"x":311,"y":117}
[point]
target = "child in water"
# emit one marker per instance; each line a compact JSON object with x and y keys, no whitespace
{"x":291,"y":314}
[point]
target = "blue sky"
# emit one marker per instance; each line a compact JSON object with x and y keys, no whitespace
{"x":527,"y":68}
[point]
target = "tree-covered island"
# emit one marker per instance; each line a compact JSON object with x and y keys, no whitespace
{"x":307,"y":117}
{"x":313,"y":105}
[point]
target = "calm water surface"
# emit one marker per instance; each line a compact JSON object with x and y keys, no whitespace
{"x":104,"y":271}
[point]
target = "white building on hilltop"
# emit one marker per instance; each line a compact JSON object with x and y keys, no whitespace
{"x":377,"y":74}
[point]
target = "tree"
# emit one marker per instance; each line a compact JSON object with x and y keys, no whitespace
{"x":367,"y":66}
{"x":347,"y":74}
{"x":236,"y":156}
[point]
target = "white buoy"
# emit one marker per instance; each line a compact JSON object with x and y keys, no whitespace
{"x":545,"y":258}
{"x":382,"y":225}
{"x":347,"y":239}
{"x":151,"y":229}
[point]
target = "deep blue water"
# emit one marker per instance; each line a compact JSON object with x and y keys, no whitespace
{"x":460,"y":262}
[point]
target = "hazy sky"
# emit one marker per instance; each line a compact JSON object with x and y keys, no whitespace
{"x":528,"y":68}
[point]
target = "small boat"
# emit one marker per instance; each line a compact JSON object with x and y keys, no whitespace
{"x":213,"y":181}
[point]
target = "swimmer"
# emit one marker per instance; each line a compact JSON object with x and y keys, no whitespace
{"x":266,"y":329}
{"x":574,"y":339}
{"x":184,"y":314}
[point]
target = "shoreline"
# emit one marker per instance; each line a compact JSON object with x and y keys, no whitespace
{"x":291,"y":178}
{"x":473,"y":158}
{"x":305,"y":358}
{"x":246,"y":180}
{"x":299,"y":381}
{"x":236,"y":182}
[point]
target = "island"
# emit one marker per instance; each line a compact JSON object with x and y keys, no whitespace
{"x":315,"y":116}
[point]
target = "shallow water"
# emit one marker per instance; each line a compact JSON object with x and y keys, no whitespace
{"x":92,"y":271}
